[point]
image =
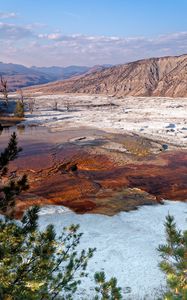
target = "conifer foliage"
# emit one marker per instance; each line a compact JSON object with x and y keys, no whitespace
{"x":10,"y":187}
{"x":174,"y":260}
{"x":39,"y":265}
{"x":107,"y":289}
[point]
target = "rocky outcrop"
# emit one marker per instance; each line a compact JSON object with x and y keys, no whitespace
{"x":166,"y":77}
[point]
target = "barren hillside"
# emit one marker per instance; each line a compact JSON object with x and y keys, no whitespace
{"x":166,"y":76}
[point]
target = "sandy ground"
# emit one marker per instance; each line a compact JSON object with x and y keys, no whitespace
{"x":163,"y":119}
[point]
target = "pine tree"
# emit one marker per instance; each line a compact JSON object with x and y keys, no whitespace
{"x":39,"y":265}
{"x":106,"y":289}
{"x":11,"y":186}
{"x":174,"y":263}
{"x":34,"y":264}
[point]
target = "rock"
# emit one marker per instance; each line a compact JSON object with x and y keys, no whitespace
{"x":164,"y":147}
{"x":171,"y":125}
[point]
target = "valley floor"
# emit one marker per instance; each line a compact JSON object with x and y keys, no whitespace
{"x":163,"y":119}
{"x":117,"y":144}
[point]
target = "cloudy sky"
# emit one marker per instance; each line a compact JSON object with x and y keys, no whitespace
{"x":90,"y":32}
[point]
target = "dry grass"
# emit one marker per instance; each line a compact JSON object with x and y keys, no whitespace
{"x":10,"y":118}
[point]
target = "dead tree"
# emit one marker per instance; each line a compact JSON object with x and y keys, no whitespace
{"x":4,"y":89}
{"x":55,"y":107}
{"x":67,"y":106}
{"x":21,"y":96}
{"x":31,"y":105}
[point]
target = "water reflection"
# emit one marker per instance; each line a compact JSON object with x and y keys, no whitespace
{"x":21,"y":128}
{"x":1,"y":129}
{"x":4,"y":129}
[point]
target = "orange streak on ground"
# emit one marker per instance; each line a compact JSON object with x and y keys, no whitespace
{"x":97,"y":180}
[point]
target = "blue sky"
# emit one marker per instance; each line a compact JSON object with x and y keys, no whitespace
{"x":91,"y":32}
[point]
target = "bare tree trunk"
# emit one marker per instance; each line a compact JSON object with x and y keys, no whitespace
{"x":31,"y":105}
{"x":4,"y":89}
{"x":21,"y":95}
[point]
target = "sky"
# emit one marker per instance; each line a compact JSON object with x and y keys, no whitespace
{"x":90,"y":32}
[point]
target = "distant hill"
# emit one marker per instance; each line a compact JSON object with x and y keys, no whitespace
{"x":165,"y":76}
{"x":19,"y":76}
{"x":62,"y":72}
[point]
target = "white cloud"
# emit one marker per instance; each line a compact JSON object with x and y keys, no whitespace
{"x":54,"y":36}
{"x":56,"y":48}
{"x":14,"y":32}
{"x":8,"y":15}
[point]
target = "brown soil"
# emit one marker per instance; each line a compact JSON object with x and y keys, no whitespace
{"x":9,"y":121}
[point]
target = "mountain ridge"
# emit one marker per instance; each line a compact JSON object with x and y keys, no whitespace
{"x":157,"y":76}
{"x":20,"y":76}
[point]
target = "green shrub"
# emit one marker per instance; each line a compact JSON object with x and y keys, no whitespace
{"x":19,"y":110}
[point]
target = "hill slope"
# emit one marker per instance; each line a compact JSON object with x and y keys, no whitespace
{"x":166,"y":76}
{"x":19,"y":76}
